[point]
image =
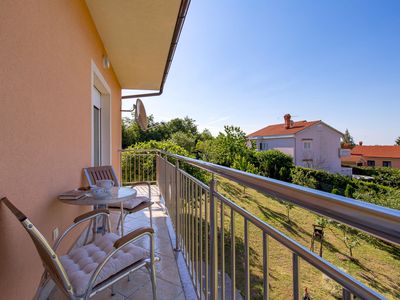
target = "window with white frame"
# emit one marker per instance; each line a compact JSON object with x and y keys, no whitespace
{"x":308,"y":163}
{"x":386,"y":163}
{"x":307,"y":145}
{"x":263,"y":146}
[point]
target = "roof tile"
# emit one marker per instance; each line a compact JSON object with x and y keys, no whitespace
{"x":377,"y":151}
{"x":279,"y":129}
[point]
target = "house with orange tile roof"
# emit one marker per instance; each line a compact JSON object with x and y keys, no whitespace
{"x":373,"y":156}
{"x":312,"y":144}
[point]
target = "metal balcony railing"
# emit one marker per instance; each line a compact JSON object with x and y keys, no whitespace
{"x":200,"y":215}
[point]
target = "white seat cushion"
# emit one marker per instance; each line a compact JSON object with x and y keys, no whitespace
{"x":130,"y":204}
{"x":81,"y":262}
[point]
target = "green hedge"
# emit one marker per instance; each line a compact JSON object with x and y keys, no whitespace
{"x":346,"y":186}
{"x":384,"y":176}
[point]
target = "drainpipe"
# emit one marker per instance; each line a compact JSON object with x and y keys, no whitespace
{"x":175,"y":38}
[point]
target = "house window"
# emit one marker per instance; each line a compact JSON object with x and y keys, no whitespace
{"x":308,"y":163}
{"x":386,"y":163}
{"x":263,"y":146}
{"x":307,"y":145}
{"x":370,"y":163}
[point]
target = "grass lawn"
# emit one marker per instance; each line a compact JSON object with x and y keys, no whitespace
{"x":376,"y":264}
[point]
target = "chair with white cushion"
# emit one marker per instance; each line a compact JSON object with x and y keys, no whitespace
{"x":91,"y":268}
{"x":131,"y":206}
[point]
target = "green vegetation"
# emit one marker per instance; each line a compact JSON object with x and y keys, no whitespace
{"x":370,"y":260}
{"x":367,"y":191}
{"x":385,"y":176}
{"x":348,"y":139}
{"x":373,"y":262}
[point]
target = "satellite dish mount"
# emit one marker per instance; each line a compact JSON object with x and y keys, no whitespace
{"x":140,"y":114}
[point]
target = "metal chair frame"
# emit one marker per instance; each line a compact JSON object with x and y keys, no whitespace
{"x":56,"y":271}
{"x":107,"y":172}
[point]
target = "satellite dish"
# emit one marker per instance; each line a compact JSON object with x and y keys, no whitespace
{"x":140,"y":115}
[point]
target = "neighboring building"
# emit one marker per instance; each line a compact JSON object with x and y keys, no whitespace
{"x":373,"y":156}
{"x":311,"y":144}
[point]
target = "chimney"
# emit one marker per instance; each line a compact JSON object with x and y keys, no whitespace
{"x":360,"y":143}
{"x":288,"y":122}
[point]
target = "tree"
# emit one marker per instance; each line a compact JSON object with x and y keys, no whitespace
{"x":397,"y":142}
{"x":158,"y":131}
{"x":288,"y":206}
{"x":226,"y":146}
{"x":242,"y":163}
{"x":348,"y":139}
{"x":351,"y":238}
{"x":205,"y":135}
{"x":184,"y":140}
{"x":274,"y":164}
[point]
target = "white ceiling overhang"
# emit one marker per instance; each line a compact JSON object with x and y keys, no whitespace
{"x":137,"y":36}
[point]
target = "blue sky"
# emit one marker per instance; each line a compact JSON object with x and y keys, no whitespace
{"x":247,"y":63}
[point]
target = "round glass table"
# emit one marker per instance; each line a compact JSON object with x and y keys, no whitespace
{"x":117,"y":195}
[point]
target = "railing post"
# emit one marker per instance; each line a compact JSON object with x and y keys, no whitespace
{"x":346,"y":295}
{"x":165,"y":180}
{"x":296,"y":290}
{"x":177,"y":200}
{"x":213,"y":241}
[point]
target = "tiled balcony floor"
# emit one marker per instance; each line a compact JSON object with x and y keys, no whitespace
{"x":139,"y":287}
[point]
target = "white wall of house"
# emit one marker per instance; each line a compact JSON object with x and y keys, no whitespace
{"x":314,"y":147}
{"x":286,"y":145}
{"x":318,"y":147}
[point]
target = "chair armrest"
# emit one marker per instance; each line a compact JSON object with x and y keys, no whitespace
{"x":80,"y":219}
{"x":132,"y":235}
{"x":141,"y":183}
{"x":91,"y":214}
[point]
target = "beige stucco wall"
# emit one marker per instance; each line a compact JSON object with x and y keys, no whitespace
{"x":379,"y":161}
{"x":46,"y":52}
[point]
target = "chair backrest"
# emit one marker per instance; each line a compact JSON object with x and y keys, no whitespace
{"x":49,"y":258}
{"x":100,"y":173}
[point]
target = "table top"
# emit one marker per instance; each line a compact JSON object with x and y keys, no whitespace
{"x":117,"y":195}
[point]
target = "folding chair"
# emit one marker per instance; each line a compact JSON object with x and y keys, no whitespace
{"x":91,"y":268}
{"x":139,"y":203}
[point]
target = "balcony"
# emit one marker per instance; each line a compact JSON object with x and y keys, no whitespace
{"x":196,"y":226}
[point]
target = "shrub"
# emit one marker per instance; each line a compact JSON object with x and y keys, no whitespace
{"x":284,"y":174}
{"x":384,"y":176}
{"x":172,"y":148}
{"x":349,"y":191}
{"x":338,"y":184}
{"x":302,"y":176}
{"x":270,"y":163}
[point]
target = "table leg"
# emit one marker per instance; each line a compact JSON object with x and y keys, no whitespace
{"x":122,"y":219}
{"x":99,"y":219}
